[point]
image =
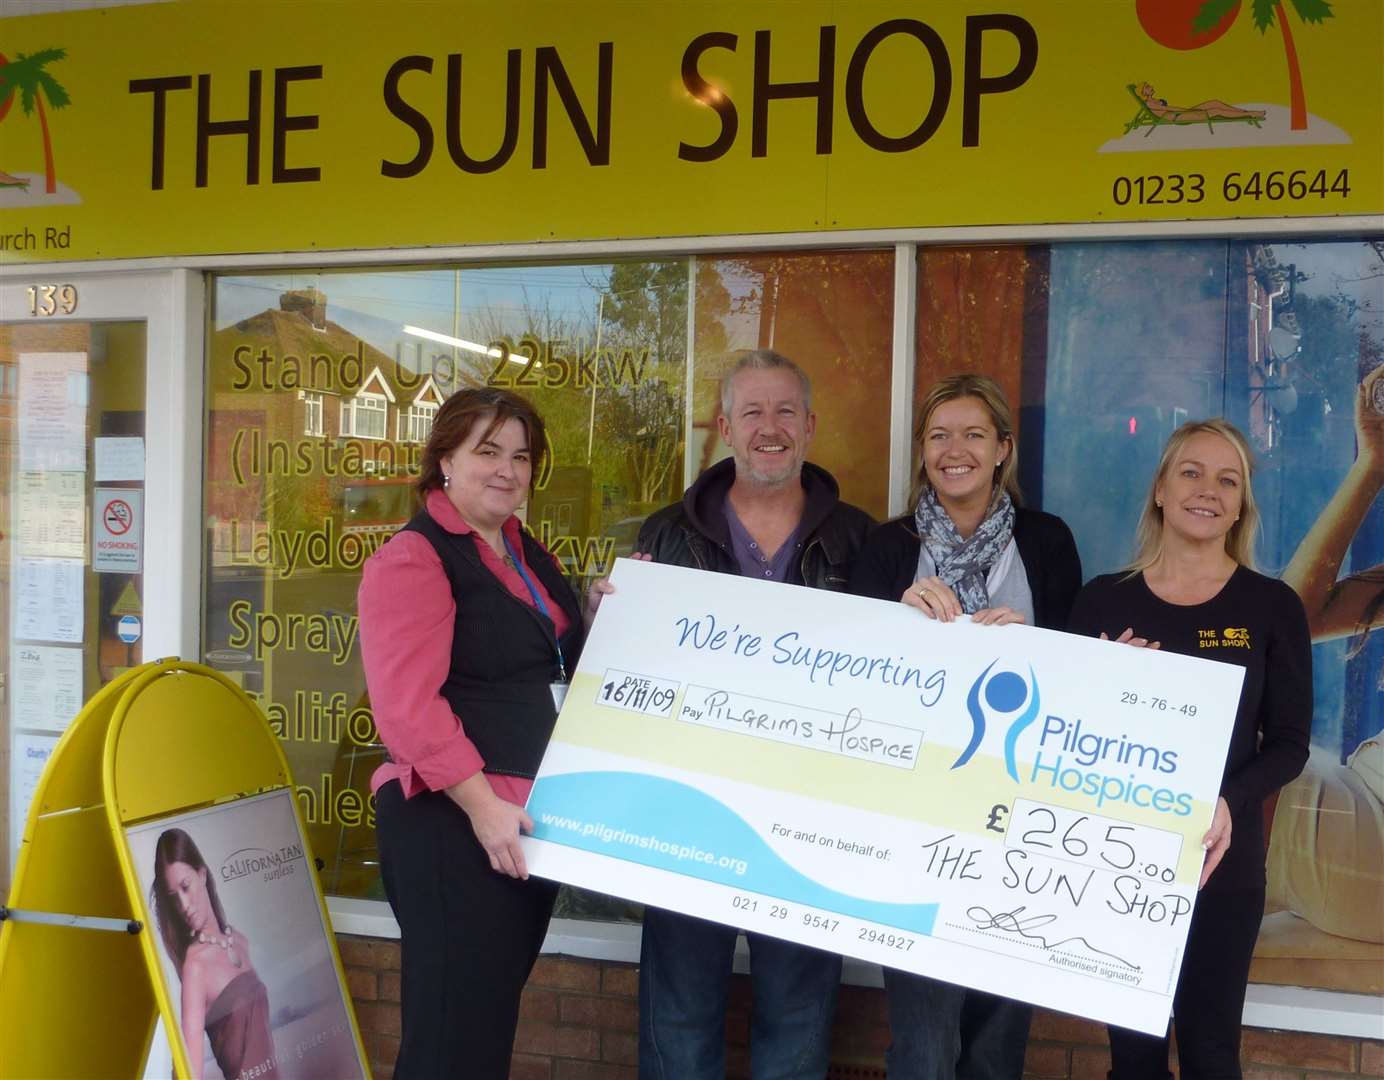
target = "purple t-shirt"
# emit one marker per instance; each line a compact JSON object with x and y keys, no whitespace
{"x":753,"y":562}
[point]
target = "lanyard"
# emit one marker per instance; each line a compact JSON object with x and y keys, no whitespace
{"x":538,"y":601}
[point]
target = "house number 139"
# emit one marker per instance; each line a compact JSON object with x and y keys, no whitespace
{"x":51,"y":299}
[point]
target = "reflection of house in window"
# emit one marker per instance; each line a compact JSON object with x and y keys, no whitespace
{"x":416,"y":421}
{"x":312,"y":408}
{"x":364,"y":416}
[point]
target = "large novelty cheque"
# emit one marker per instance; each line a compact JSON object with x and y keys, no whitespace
{"x":1013,"y":809}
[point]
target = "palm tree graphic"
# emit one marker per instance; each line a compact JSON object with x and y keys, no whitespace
{"x":26,"y":75}
{"x":1265,"y":14}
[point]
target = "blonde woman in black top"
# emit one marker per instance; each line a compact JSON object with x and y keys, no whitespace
{"x":1192,"y":589}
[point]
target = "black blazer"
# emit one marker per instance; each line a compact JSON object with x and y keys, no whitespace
{"x":888,"y":562}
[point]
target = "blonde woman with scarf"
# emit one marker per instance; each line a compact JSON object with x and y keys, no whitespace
{"x":968,"y":548}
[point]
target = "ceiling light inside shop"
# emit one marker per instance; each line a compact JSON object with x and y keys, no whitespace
{"x":462,"y":343}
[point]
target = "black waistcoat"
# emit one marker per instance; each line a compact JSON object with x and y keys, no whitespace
{"x":504,"y":652}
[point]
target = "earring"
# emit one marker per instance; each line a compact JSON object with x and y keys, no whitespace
{"x":1158,"y":503}
{"x":446,"y":481}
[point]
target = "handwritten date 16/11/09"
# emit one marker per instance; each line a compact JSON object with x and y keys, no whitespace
{"x":639,"y":694}
{"x":1157,"y":704}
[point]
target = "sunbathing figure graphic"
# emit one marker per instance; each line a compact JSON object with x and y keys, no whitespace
{"x":1155,"y":111}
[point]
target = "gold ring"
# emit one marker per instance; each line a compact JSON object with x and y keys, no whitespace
{"x":924,"y":592}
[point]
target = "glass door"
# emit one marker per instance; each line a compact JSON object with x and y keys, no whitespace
{"x":82,"y":504}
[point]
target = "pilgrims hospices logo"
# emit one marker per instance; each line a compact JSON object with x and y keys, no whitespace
{"x":1004,"y":693}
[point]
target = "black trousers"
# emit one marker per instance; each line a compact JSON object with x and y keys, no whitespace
{"x":1210,"y":996}
{"x":469,"y":938}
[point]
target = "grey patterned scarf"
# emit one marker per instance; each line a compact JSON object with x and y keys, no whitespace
{"x":963,"y":564}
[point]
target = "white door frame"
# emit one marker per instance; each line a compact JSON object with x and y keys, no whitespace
{"x":171,"y":305}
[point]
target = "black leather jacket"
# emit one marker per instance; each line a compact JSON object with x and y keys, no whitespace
{"x":694,"y":532}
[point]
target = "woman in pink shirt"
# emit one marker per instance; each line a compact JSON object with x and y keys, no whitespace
{"x":468,"y":633}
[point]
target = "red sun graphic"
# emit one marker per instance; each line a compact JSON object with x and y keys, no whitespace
{"x":1169,"y":22}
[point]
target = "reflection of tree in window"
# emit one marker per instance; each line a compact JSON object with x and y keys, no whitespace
{"x":645,"y":309}
{"x":625,"y":433}
{"x":832,"y":313}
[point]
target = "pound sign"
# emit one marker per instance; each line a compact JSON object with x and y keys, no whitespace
{"x":997,"y":813}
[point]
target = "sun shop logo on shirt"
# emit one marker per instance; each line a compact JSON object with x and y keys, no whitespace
{"x":1232,"y":637}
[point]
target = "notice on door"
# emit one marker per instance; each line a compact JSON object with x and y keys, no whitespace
{"x":31,"y":754}
{"x":52,"y":412}
{"x":117,"y":531}
{"x":48,"y":600}
{"x":47,"y":686}
{"x":52,"y":514}
{"x":119,"y":458}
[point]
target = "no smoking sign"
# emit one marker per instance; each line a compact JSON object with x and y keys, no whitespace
{"x":117,"y":531}
{"x":119,"y":517}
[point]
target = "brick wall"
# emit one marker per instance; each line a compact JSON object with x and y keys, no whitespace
{"x":578,"y":1022}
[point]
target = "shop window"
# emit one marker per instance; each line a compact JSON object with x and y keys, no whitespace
{"x":831,"y":312}
{"x":1104,"y":349}
{"x":312,"y":414}
{"x":1101,"y":349}
{"x":600,"y":349}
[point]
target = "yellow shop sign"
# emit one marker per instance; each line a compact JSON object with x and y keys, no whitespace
{"x":201,"y":128}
